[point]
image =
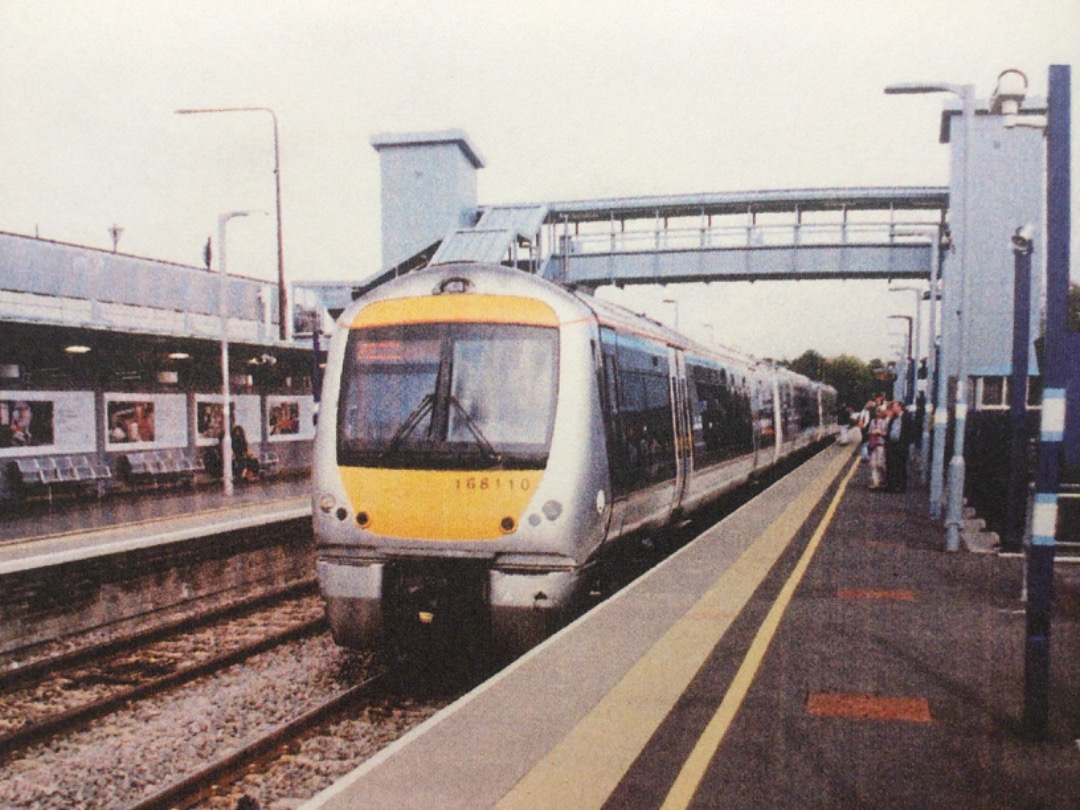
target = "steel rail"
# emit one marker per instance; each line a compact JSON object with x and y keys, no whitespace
{"x":38,"y":668}
{"x":71,"y":719}
{"x":228,"y":769}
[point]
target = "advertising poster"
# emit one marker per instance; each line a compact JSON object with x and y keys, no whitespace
{"x":290,"y":418}
{"x":145,"y":421}
{"x":209,"y":417}
{"x":46,"y":422}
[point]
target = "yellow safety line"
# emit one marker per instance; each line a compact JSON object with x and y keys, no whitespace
{"x":584,"y":768}
{"x":689,"y":778}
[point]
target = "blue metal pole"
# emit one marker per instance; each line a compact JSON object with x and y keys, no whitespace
{"x":1040,"y":569}
{"x":1018,"y":474}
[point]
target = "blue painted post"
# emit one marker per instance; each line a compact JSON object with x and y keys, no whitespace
{"x":1017,"y":499}
{"x":1040,"y":569}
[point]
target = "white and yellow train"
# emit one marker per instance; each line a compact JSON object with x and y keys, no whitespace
{"x":485,"y":434}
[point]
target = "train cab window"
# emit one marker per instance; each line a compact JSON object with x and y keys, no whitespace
{"x":448,"y":396}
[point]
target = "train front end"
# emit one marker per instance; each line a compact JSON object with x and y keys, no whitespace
{"x":459,"y":467}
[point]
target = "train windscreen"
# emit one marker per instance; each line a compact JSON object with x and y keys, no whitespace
{"x":448,"y":396}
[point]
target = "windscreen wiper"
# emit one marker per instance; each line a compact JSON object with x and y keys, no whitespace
{"x":474,"y":429}
{"x":409,"y":425}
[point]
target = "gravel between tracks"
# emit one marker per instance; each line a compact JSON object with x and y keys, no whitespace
{"x":133,"y":753}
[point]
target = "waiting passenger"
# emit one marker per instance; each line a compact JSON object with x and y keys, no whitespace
{"x":898,"y":438}
{"x":865,"y":417}
{"x":879,"y":426}
{"x":245,"y":465}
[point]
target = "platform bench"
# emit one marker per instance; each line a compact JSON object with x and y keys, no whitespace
{"x":156,"y":467}
{"x":51,"y":473}
{"x":269,"y":464}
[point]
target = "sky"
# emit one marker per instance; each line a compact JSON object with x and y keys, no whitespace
{"x":565,"y":100}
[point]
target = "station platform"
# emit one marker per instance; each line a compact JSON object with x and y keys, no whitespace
{"x":40,"y":534}
{"x":816,"y":648}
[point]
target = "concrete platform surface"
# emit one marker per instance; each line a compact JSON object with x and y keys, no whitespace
{"x":817,"y":648}
{"x":41,"y":534}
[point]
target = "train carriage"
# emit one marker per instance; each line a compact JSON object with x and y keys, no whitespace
{"x":485,"y":433}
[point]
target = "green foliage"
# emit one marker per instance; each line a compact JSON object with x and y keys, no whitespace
{"x":809,"y":364}
{"x":855,"y":381}
{"x":1074,"y":308}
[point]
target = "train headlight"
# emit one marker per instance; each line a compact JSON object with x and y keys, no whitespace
{"x":327,"y":503}
{"x":552,"y":510}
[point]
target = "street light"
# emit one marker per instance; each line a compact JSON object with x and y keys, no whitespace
{"x":936,"y":406}
{"x":675,"y":305}
{"x":954,"y":512}
{"x":223,"y":314}
{"x":284,"y":321}
{"x":907,"y":353}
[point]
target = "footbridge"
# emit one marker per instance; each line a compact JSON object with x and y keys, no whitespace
{"x":784,"y":234}
{"x":887,"y":232}
{"x":871,"y":232}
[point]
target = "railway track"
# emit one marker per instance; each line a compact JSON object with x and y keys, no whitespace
{"x":206,"y":782}
{"x":35,"y":661}
{"x":110,"y":676}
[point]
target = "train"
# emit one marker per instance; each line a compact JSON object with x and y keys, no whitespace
{"x":485,"y":435}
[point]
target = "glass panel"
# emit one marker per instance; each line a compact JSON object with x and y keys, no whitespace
{"x":447,"y":396}
{"x":498,"y":378}
{"x":993,"y":390}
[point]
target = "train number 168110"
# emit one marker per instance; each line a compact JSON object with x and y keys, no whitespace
{"x":483,"y":482}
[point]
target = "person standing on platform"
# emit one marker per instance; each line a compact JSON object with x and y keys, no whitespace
{"x":876,"y":445}
{"x":897,"y":438}
{"x":862,"y":422}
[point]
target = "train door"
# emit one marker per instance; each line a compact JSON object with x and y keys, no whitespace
{"x":681,"y":424}
{"x":613,"y":427}
{"x":778,"y":418}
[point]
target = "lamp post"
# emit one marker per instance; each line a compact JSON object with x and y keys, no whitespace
{"x":932,"y":453}
{"x":916,"y":339}
{"x":675,"y":306}
{"x":954,"y":512}
{"x":223,"y":314}
{"x":907,"y":357}
{"x":284,"y":321}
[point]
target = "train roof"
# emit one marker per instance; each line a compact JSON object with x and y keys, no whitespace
{"x":568,"y":305}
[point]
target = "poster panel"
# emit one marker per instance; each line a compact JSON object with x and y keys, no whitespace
{"x":290,"y":418}
{"x":145,"y":421}
{"x":45,"y":422}
{"x":208,"y":417}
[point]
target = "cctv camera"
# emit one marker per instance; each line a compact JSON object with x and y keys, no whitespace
{"x":1023,"y":238}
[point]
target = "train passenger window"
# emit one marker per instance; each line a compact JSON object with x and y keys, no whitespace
{"x":722,"y":416}
{"x":646,"y":429}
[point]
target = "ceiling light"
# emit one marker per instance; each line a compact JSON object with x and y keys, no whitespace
{"x":76,"y":349}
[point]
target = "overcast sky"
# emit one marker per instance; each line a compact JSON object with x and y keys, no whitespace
{"x":565,"y":100}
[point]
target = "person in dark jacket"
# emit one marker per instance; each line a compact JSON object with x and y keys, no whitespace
{"x":899,"y":434}
{"x":245,"y":465}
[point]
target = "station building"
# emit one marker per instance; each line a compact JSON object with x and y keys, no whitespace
{"x":109,"y":360}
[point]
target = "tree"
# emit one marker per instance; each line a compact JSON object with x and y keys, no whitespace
{"x":810,"y":364}
{"x":853,"y":380}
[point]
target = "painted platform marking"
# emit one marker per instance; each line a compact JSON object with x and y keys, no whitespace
{"x":693,"y":770}
{"x":868,"y":593}
{"x":869,"y":707}
{"x":586,"y":766}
